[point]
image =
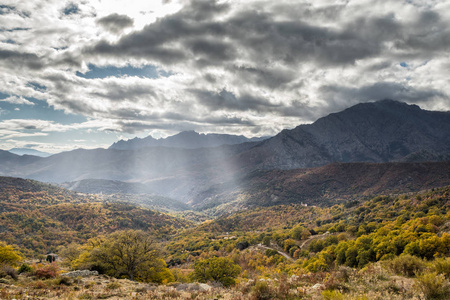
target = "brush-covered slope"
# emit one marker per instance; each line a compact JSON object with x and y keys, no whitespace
{"x":132,"y":192}
{"x":40,"y":217}
{"x":325,"y":185}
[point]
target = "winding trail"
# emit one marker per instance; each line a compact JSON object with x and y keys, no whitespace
{"x":279,"y":251}
{"x":302,"y":245}
{"x":313,"y":237}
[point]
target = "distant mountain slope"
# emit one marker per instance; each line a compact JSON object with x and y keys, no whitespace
{"x":131,"y":192}
{"x":372,"y":132}
{"x":27,"y":151}
{"x":185,"y":139}
{"x":40,"y":217}
{"x":103,"y":186}
{"x":383,"y":131}
{"x":326,"y":185}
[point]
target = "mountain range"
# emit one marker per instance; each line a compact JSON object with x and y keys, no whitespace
{"x":185,"y":139}
{"x":380,"y":131}
{"x":377,"y":132}
{"x":28,"y":151}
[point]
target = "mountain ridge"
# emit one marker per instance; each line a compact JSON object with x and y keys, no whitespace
{"x":184,"y":139}
{"x":28,"y":151}
{"x":375,"y":132}
{"x":379,"y":131}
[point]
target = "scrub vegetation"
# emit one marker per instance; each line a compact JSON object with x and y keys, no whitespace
{"x":382,"y":247}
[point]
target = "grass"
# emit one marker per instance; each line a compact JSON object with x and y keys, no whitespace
{"x":376,"y":281}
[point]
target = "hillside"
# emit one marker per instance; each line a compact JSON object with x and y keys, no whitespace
{"x":39,"y":217}
{"x":380,"y":131}
{"x":388,"y":247}
{"x":407,"y":215}
{"x":103,"y":186}
{"x":323,"y":186}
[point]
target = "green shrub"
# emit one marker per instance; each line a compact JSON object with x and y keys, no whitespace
{"x":271,"y":252}
{"x":64,"y":281}
{"x":433,"y":286}
{"x":218,"y":269}
{"x":442,"y":266}
{"x":25,"y":268}
{"x":332,"y":295}
{"x":344,"y":273}
{"x":113,"y":285}
{"x":262,"y":291}
{"x":406,"y":265}
{"x":8,"y":271}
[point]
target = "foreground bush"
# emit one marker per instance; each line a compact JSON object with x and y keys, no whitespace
{"x":406,"y":265}
{"x":25,"y":268}
{"x":262,"y":291}
{"x":8,"y":256}
{"x":8,"y":271}
{"x":433,"y":286}
{"x":47,"y":271}
{"x":442,"y":266}
{"x":131,"y":254}
{"x":219,"y":269}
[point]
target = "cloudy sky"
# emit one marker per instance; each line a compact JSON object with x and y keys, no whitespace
{"x":85,"y":73}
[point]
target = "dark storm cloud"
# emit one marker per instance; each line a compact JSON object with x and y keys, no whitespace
{"x":146,"y":50}
{"x":221,"y":120}
{"x":339,"y":97}
{"x":225,"y":100}
{"x":379,"y":66}
{"x":271,"y":78}
{"x":175,"y":38}
{"x":135,"y":114}
{"x":430,"y":34}
{"x":136,"y":126}
{"x":131,"y":92}
{"x":78,"y":107}
{"x":180,"y":125}
{"x":267,"y":40}
{"x":210,"y":49}
{"x":115,"y":22}
{"x":20,"y":59}
{"x":195,"y":34}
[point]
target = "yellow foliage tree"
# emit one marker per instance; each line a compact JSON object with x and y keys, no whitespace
{"x":8,"y":256}
{"x":131,"y":253}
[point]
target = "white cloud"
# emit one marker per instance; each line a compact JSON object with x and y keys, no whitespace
{"x":245,"y":67}
{"x":17,"y":100}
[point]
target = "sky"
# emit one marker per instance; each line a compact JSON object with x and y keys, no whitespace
{"x":86,"y":73}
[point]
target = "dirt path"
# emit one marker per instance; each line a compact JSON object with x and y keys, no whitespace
{"x":314,"y":237}
{"x":279,"y":251}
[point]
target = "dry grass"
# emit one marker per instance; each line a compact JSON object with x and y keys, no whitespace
{"x":372,"y":282}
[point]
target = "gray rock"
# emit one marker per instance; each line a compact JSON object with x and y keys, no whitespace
{"x":80,"y":273}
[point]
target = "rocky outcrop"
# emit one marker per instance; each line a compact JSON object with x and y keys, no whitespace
{"x":80,"y":273}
